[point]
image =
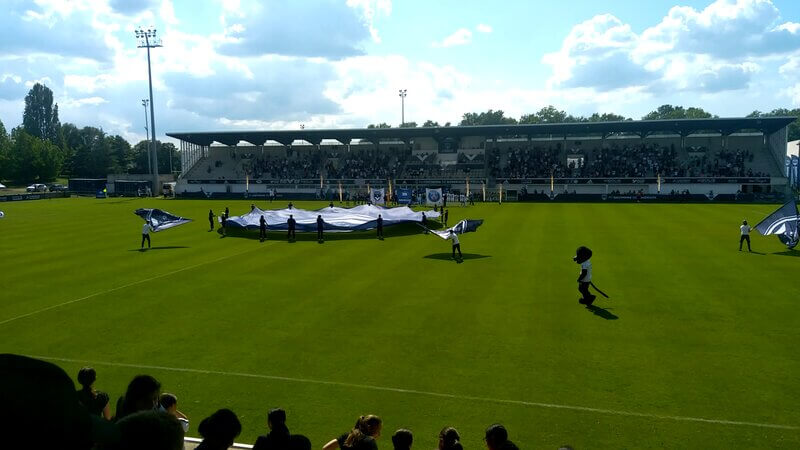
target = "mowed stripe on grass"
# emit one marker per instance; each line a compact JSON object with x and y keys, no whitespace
{"x":392,"y":313}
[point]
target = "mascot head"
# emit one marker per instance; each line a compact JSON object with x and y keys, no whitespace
{"x":582,"y":254}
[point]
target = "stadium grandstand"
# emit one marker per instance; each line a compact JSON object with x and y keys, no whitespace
{"x":719,"y":158}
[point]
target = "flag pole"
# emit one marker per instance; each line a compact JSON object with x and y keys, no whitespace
{"x":483,"y":188}
{"x":340,"y":191}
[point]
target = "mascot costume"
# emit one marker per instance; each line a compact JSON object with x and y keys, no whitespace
{"x":582,"y":257}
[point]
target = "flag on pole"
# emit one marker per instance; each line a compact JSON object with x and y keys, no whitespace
{"x":783,"y":223}
{"x":340,"y":192}
{"x":376,"y":196}
{"x":433,"y":196}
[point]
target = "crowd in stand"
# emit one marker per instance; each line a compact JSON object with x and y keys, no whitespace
{"x":42,"y":409}
{"x":616,"y":161}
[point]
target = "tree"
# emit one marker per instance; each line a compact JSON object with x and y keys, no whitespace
{"x":430,"y":123}
{"x":548,"y":114}
{"x":4,"y":144}
{"x":380,"y":125}
{"x":409,"y":125}
{"x":489,"y":117}
{"x":606,"y":117}
{"x":40,"y":118}
{"x":121,"y":154}
{"x":139,"y":158}
{"x":677,"y":112}
{"x":32,"y":159}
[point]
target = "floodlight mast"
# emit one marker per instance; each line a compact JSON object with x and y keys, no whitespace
{"x":147,"y":39}
{"x":147,"y":135}
{"x":403,"y":106}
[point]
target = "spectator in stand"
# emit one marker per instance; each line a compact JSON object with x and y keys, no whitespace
{"x":96,"y":402}
{"x":363,"y":435}
{"x":142,"y":395}
{"x":219,"y":430}
{"x":169,"y":404}
{"x":278,"y":437}
{"x":497,"y":438}
{"x":152,"y":430}
{"x":449,"y":439}
{"x":402,"y":439}
{"x":299,"y":442}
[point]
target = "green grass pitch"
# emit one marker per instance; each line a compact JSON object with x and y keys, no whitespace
{"x":694,"y":329}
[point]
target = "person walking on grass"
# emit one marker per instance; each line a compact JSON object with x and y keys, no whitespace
{"x":211,"y":219}
{"x":745,"y":235}
{"x":146,"y":229}
{"x":262,"y":228}
{"x":456,"y":244}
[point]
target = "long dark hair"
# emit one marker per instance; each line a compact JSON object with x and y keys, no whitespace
{"x":86,"y":377}
{"x":450,"y":438}
{"x":366,"y":426}
{"x":279,"y":432}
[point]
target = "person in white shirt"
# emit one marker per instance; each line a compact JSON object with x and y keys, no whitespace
{"x":146,"y":234}
{"x":745,"y":231}
{"x":456,"y":245}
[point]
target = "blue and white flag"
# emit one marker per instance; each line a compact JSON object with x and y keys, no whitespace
{"x":376,"y":196}
{"x":160,"y":220}
{"x":782,"y":223}
{"x":464,"y":226}
{"x":433,"y":196}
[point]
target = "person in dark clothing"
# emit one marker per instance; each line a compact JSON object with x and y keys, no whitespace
{"x":211,"y":219}
{"x":227,"y":213}
{"x":362,"y":437}
{"x":291,"y":205}
{"x":153,"y":430}
{"x":96,"y":402}
{"x":497,"y":438}
{"x":299,"y":442}
{"x":745,"y":235}
{"x":446,"y":214}
{"x":320,"y":228}
{"x":402,"y":439}
{"x":142,"y":395}
{"x":252,"y":206}
{"x":278,"y":437}
{"x":449,"y":439}
{"x":444,"y":201}
{"x":380,"y":227}
{"x":291,"y":225}
{"x":224,"y":222}
{"x":331,"y":204}
{"x":582,"y":256}
{"x":262,"y":228}
{"x":219,"y":430}
{"x":425,"y":222}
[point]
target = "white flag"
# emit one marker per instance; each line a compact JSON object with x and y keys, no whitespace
{"x":433,"y":196}
{"x":376,"y":196}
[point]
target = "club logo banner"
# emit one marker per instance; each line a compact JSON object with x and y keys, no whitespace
{"x":403,"y":196}
{"x":376,"y":196}
{"x":433,"y":196}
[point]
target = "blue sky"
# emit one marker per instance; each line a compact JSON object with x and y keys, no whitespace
{"x":236,"y":64}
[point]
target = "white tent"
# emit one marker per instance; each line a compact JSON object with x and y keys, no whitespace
{"x":792,"y":148}
{"x":2,"y":186}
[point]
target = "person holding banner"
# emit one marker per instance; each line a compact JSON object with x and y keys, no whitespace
{"x":380,"y":227}
{"x":320,"y":228}
{"x":262,"y":228}
{"x":745,"y":235}
{"x":456,"y":244}
{"x":146,"y":234}
{"x":290,"y":224}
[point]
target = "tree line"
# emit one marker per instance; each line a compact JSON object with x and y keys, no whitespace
{"x":551,"y":114}
{"x":41,"y":148}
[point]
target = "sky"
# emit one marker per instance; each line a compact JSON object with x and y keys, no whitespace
{"x":279,"y":64}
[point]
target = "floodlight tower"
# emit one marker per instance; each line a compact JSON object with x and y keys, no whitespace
{"x":147,"y":39}
{"x":403,"y":106}
{"x":147,"y":135}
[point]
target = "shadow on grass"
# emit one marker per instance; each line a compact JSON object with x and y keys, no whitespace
{"x":756,"y":253}
{"x":407,"y":229}
{"x":163,"y":247}
{"x":602,"y":312}
{"x":449,"y":257}
{"x":794,"y":253}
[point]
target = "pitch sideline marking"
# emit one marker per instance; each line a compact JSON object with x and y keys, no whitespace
{"x":432,"y":394}
{"x":134,"y":283}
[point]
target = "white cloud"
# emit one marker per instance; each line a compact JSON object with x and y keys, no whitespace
{"x":713,"y":50}
{"x":461,"y":36}
{"x":483,"y":28}
{"x":370,"y":10}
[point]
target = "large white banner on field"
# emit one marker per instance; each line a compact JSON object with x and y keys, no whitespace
{"x":433,"y":196}
{"x":376,"y":196}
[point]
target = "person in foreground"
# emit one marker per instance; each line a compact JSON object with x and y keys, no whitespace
{"x":582,"y":256}
{"x":278,"y":437}
{"x":496,"y":438}
{"x":456,"y":244}
{"x":449,"y":439}
{"x":363,"y":435}
{"x":745,"y":235}
{"x":219,"y":430}
{"x":96,"y":402}
{"x":402,"y":439}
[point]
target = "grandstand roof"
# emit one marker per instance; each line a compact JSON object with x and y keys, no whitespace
{"x":684,"y":127}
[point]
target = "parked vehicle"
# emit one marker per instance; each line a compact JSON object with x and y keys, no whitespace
{"x":36,"y":187}
{"x":57,"y":188}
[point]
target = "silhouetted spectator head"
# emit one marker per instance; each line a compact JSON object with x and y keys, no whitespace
{"x":168,"y":401}
{"x":142,"y":395}
{"x":40,"y":405}
{"x":364,"y":432}
{"x":449,"y":439}
{"x":299,"y":442}
{"x":219,"y":430}
{"x":87,"y":377}
{"x":276,"y":418}
{"x":496,"y":436}
{"x":402,"y":439}
{"x":152,"y":430}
